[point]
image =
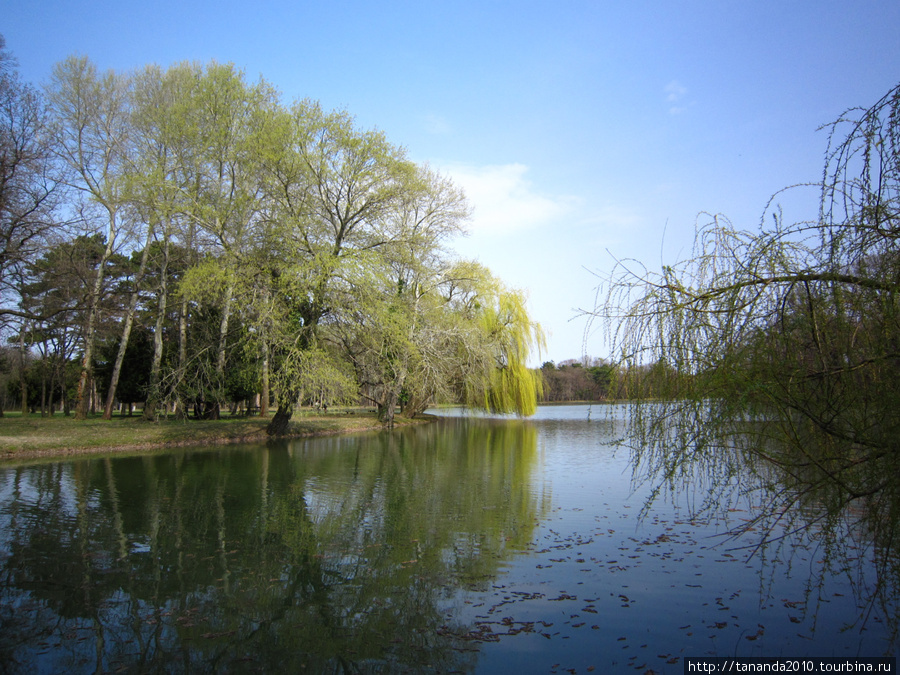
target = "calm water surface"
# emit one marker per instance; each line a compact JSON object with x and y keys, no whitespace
{"x":470,"y":545}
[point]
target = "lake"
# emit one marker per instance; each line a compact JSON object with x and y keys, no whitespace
{"x":471,"y":545}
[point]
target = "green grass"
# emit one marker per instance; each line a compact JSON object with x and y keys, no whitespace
{"x":26,"y":436}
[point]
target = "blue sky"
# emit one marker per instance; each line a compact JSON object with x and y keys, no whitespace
{"x":580,"y":130}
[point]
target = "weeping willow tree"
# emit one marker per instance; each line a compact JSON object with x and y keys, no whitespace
{"x":775,"y":353}
{"x":506,"y":337}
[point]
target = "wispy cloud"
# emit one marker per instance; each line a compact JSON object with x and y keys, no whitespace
{"x":675,"y":94}
{"x":505,"y":201}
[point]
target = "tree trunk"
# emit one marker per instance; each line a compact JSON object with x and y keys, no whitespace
{"x":223,"y":343}
{"x":22,"y":383}
{"x":223,"y":329}
{"x":54,"y":376}
{"x":83,"y":398}
{"x":415,"y":406}
{"x":126,"y":329}
{"x":181,"y":405}
{"x":153,"y":392}
{"x":43,"y":395}
{"x":279,"y":424}
{"x":386,"y":409}
{"x":264,"y":394}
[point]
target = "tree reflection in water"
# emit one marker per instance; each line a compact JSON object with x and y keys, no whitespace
{"x":336,"y":554}
{"x":469,"y":545}
{"x":802,"y":493}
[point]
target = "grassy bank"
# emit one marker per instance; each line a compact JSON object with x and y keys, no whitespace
{"x":28,"y":436}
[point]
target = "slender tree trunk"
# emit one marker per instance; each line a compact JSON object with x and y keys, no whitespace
{"x":22,"y":382}
{"x":223,"y":340}
{"x":54,"y":379}
{"x":264,"y":394}
{"x":94,"y":395}
{"x":180,"y":404}
{"x":83,"y":398}
{"x":59,"y":376}
{"x":126,"y":328}
{"x":181,"y":409}
{"x":223,"y":329}
{"x":153,"y":394}
{"x":43,"y":395}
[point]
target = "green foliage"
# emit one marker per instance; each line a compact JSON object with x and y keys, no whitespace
{"x":34,"y":377}
{"x":315,"y":375}
{"x":777,"y":348}
{"x":270,"y":246}
{"x":204,"y":282}
{"x":510,"y":337}
{"x":135,"y":375}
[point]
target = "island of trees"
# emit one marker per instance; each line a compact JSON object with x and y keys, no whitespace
{"x":184,"y":239}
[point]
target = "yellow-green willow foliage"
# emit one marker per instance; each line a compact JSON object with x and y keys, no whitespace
{"x":507,"y":384}
{"x":306,"y":252}
{"x":777,"y":347}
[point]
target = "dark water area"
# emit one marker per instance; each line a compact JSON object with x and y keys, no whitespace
{"x":468,"y":545}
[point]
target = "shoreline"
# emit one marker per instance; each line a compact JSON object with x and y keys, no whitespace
{"x":28,"y":439}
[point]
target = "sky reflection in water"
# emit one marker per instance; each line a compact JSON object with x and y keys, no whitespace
{"x":478,"y":545}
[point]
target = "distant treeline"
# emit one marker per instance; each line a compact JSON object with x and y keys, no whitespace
{"x":572,"y":380}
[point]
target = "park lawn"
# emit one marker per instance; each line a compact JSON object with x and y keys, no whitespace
{"x":35,"y":436}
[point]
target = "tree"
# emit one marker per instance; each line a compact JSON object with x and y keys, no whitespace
{"x":780,"y":346}
{"x":332,"y":191}
{"x":134,"y":368}
{"x":57,"y":294}
{"x":91,"y":119}
{"x":572,"y":381}
{"x":225,"y":198}
{"x":194,"y":181}
{"x":29,"y":191}
{"x":285,"y":241}
{"x":163,"y":186}
{"x":476,"y":345}
{"x":506,"y":334}
{"x":399,"y":330}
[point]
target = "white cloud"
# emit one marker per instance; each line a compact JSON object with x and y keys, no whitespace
{"x":543,"y":243}
{"x":675,"y":94}
{"x":504,"y":201}
{"x":675,"y":91}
